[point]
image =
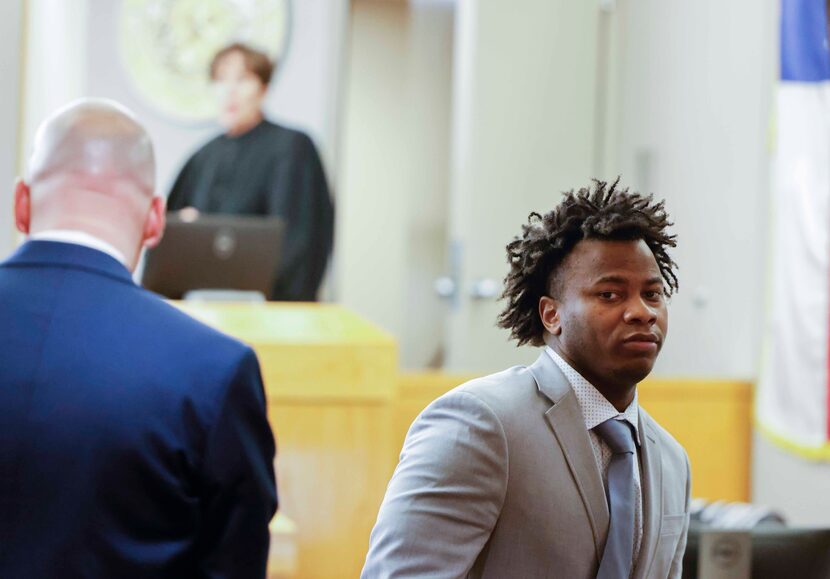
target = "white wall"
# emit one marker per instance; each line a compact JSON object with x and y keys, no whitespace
{"x":694,"y":84}
{"x":11,"y":17}
{"x":794,"y":486}
{"x":391,"y":229}
{"x":429,"y":117}
{"x":371,"y":216}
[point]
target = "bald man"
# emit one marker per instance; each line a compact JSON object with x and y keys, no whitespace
{"x":133,"y":440}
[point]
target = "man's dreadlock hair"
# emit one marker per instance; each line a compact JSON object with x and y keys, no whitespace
{"x":606,"y":213}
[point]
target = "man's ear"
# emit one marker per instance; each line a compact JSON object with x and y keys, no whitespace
{"x":154,"y":224}
{"x":22,"y":206}
{"x":549,"y":314}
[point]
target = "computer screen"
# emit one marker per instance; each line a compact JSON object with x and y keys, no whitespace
{"x":777,"y":553}
{"x":227,"y":252}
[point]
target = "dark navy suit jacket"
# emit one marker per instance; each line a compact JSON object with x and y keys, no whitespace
{"x":133,"y":440}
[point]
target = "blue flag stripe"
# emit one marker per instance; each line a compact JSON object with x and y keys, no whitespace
{"x":805,"y":54}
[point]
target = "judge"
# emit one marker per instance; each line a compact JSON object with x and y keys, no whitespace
{"x":257,"y":167}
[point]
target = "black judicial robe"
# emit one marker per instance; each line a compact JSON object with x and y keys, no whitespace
{"x":270,"y":170}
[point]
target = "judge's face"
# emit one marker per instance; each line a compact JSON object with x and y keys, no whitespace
{"x":608,"y":317}
{"x":240,"y":93}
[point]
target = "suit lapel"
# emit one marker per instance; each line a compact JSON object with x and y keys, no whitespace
{"x":652,"y":484}
{"x":568,"y":426}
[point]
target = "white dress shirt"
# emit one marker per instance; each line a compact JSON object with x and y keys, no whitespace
{"x":596,"y":409}
{"x":80,"y":238}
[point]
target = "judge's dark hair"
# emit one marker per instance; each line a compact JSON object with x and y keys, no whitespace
{"x":256,"y":61}
{"x":606,"y":213}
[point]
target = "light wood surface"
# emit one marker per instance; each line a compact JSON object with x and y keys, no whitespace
{"x":712,"y":419}
{"x":333,"y":462}
{"x":310,"y":352}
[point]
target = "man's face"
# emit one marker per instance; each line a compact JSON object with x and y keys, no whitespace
{"x":610,"y":316}
{"x":239,"y":92}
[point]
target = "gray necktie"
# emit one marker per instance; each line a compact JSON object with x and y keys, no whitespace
{"x":619,"y":548}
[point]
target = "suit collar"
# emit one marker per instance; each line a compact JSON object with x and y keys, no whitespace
{"x":568,"y":426}
{"x":71,"y":255}
{"x":79,"y":238}
{"x":549,"y":378}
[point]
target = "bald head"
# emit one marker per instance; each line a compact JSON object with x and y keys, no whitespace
{"x":97,"y":139}
{"x":92,"y":170}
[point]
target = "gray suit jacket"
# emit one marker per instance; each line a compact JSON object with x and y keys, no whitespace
{"x":497,"y":479}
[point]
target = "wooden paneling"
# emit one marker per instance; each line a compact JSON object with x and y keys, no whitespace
{"x":333,"y":462}
{"x":712,"y":419}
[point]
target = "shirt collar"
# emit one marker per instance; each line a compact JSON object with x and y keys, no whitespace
{"x":595,"y":407}
{"x":80,"y":238}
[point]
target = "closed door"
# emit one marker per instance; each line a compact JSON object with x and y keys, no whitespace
{"x":524,"y":130}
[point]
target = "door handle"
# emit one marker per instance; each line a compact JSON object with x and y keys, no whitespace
{"x":485,"y":289}
{"x":445,"y":287}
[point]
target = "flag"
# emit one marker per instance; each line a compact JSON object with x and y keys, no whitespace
{"x":793,"y":399}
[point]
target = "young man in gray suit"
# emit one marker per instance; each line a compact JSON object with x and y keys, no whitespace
{"x":553,"y":470}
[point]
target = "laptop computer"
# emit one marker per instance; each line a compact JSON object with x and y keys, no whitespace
{"x":764,"y":552}
{"x":215,"y":252}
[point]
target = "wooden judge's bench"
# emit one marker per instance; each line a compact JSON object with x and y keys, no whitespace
{"x":340,"y":409}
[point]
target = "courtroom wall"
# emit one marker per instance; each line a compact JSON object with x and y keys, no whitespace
{"x":11,"y":15}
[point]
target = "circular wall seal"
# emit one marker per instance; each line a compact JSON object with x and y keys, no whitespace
{"x":166,"y":46}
